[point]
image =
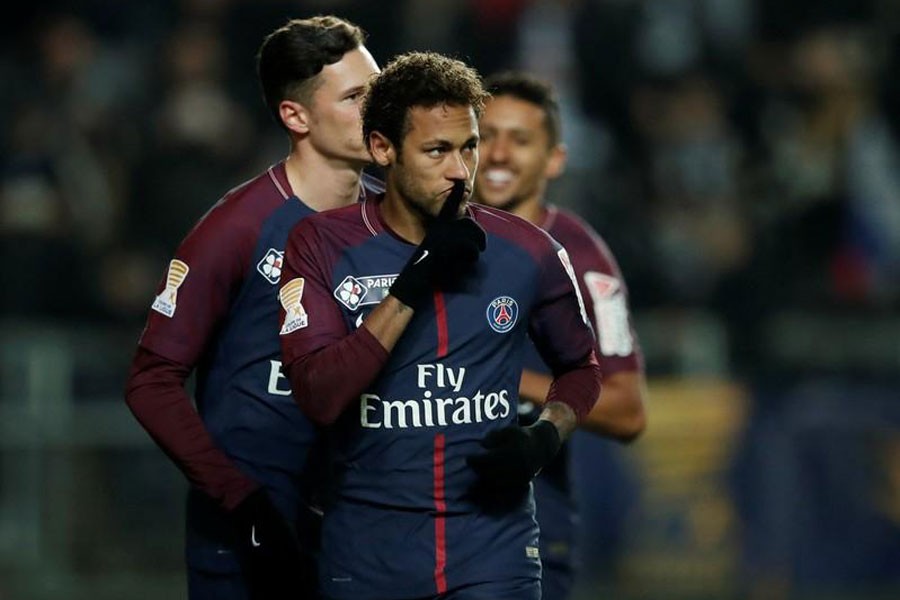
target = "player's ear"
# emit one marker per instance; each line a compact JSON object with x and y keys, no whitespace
{"x":295,"y":116}
{"x":557,"y":162}
{"x":382,"y":149}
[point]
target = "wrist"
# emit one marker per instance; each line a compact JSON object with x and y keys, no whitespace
{"x":548,"y":437}
{"x":562,"y":416}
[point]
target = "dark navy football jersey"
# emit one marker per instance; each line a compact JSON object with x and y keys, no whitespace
{"x":402,"y":524}
{"x":606,"y":296}
{"x":217,"y":309}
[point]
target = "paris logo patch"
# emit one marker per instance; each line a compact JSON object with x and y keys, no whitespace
{"x":502,"y":314}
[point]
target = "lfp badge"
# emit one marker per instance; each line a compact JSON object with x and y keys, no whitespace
{"x":502,"y":314}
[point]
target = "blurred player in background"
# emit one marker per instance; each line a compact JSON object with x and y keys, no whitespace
{"x":244,"y":448}
{"x":405,"y":324}
{"x":521,"y":151}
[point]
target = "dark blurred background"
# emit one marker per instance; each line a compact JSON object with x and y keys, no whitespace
{"x":741,"y":158}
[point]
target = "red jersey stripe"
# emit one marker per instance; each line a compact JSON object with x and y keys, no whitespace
{"x":440,"y":524}
{"x":440,"y":313}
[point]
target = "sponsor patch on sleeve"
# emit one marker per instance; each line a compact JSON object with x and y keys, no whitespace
{"x":611,"y":313}
{"x":167,"y":301}
{"x":270,"y":265}
{"x":290,"y":296}
{"x":351,"y":292}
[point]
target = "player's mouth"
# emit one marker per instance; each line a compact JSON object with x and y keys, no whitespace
{"x":446,"y":193}
{"x":498,"y":178}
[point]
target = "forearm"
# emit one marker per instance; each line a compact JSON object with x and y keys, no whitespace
{"x":156,"y":396}
{"x":534,"y":387}
{"x":327,"y":381}
{"x":388,"y":321}
{"x":619,"y":413}
{"x":578,"y":387}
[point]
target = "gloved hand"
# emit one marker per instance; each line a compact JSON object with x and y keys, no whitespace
{"x":273,"y":563}
{"x":514,"y":456}
{"x":449,"y":251}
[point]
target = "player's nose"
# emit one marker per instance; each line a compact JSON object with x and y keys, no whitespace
{"x":457,"y":169}
{"x":496,"y":152}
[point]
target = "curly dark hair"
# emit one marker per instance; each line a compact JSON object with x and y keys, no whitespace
{"x":425,"y":79}
{"x":291,"y":57}
{"x":523,"y":86}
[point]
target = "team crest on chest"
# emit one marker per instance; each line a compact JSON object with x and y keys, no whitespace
{"x":350,"y":292}
{"x":502,"y":313}
{"x":270,"y":265}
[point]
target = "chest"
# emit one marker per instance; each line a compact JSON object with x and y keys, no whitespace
{"x":486,"y":313}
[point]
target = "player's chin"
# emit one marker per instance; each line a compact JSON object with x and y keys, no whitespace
{"x":362,"y":155}
{"x":493,"y":200}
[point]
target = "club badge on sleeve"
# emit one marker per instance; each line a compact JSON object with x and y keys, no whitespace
{"x":167,"y":300}
{"x":295,"y":315}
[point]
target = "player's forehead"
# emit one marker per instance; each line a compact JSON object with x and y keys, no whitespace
{"x":511,"y":112}
{"x":442,"y":122}
{"x":352,"y":71}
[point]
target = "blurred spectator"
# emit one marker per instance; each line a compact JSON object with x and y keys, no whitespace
{"x":197,"y":136}
{"x":826,"y":175}
{"x":63,"y":173}
{"x":692,"y":158}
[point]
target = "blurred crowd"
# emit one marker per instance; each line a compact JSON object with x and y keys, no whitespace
{"x":741,"y":156}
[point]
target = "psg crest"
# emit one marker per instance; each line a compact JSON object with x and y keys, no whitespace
{"x":502,"y":314}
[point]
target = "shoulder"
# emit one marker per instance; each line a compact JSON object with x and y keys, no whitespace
{"x":577,"y":236}
{"x":339,"y":227}
{"x":246,"y":206}
{"x":337,"y":218}
{"x":566,"y":226}
{"x":234,"y":222}
{"x":515,"y":230}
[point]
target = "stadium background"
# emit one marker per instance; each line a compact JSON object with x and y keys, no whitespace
{"x":742,"y":159}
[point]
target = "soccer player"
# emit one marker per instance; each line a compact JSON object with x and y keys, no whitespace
{"x":405,"y":325}
{"x":521,"y":150}
{"x":245,"y":446}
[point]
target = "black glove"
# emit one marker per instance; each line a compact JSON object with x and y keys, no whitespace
{"x":271,"y":558}
{"x":514,"y":456}
{"x":448,"y":252}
